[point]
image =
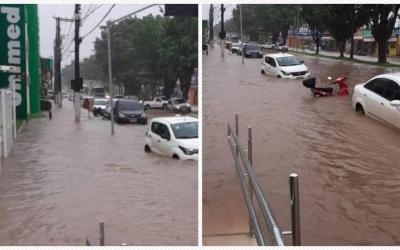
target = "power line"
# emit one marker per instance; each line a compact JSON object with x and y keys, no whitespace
{"x":97,"y":25}
{"x":91,"y":12}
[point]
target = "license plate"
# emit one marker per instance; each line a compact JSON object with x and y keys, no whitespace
{"x":133,"y":120}
{"x":299,"y":77}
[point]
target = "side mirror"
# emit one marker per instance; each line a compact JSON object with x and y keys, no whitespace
{"x":301,"y":61}
{"x":395,"y":103}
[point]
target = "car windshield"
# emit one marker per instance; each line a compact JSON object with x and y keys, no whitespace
{"x":185,"y":130}
{"x":288,"y":61}
{"x":128,"y":105}
{"x":100,"y":102}
{"x":179,"y":101}
{"x":252,"y":47}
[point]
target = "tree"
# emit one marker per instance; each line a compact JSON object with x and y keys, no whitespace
{"x":339,"y":24}
{"x":314,"y":15}
{"x":382,"y":20}
{"x":151,"y":53}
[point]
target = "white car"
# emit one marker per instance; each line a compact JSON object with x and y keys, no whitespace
{"x":268,"y":45}
{"x":175,"y":137}
{"x":281,"y":47}
{"x":379,"y":98}
{"x":284,"y":66}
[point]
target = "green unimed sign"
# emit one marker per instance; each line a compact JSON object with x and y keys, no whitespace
{"x":12,"y":52}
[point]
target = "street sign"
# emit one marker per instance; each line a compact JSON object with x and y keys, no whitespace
{"x":13,"y":54}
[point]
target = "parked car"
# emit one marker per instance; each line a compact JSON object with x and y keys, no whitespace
{"x":252,"y":50}
{"x":281,"y":47}
{"x":284,"y":66}
{"x":157,"y":103}
{"x":129,"y":111}
{"x":379,"y":98}
{"x":175,"y":137}
{"x":177,"y":105}
{"x":240,"y":49}
{"x":268,"y":45}
{"x":235,"y":47}
{"x":99,"y":106}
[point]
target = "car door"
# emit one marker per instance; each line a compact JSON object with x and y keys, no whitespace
{"x":157,"y":103}
{"x":269,"y":68}
{"x":374,"y":97}
{"x":165,"y":142}
{"x":155,"y":137}
{"x":391,"y":113}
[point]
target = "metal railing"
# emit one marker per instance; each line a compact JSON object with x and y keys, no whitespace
{"x":262,"y":223}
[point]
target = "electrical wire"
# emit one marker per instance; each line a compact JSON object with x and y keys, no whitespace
{"x":97,"y":25}
{"x":91,"y":12}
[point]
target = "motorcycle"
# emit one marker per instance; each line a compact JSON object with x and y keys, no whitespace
{"x":315,"y":91}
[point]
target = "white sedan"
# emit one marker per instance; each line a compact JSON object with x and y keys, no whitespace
{"x":283,"y":65}
{"x":379,"y":98}
{"x":175,"y":137}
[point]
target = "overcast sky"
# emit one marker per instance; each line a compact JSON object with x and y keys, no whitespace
{"x":48,"y":25}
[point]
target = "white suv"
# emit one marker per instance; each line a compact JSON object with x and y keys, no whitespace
{"x":175,"y":137}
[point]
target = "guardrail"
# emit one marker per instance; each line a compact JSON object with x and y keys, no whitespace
{"x":262,"y":223}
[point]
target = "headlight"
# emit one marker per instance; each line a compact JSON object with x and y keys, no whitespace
{"x":187,"y":151}
{"x":121,"y":115}
{"x":285,"y":73}
{"x":177,"y":107}
{"x":187,"y":105}
{"x":143,"y":115}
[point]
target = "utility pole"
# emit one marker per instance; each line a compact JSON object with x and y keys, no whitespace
{"x":211,"y":26}
{"x":57,"y":64}
{"x":222,"y":34}
{"x":241,"y":34}
{"x":297,"y":26}
{"x":77,"y":82}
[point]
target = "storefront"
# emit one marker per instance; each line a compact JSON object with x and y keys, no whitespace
{"x":19,"y":47}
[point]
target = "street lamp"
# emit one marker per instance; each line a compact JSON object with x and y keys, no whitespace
{"x":108,"y":29}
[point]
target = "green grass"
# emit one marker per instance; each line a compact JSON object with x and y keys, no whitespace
{"x":354,"y":60}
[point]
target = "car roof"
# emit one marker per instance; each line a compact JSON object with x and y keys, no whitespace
{"x":392,"y":76}
{"x":175,"y":119}
{"x":127,"y":100}
{"x":277,"y":55}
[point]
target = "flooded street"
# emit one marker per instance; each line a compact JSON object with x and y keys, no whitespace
{"x":348,"y":164}
{"x":62,"y":179}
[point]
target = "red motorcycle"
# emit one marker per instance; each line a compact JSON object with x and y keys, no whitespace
{"x":343,"y":88}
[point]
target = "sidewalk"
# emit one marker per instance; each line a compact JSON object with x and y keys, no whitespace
{"x":392,"y":59}
{"x":61,"y":179}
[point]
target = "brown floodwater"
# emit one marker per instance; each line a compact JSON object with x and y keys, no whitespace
{"x":348,"y":164}
{"x":62,"y":179}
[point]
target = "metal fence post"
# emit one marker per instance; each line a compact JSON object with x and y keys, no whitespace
{"x":102,"y":240}
{"x":295,"y":208}
{"x":250,"y":158}
{"x":237,"y":131}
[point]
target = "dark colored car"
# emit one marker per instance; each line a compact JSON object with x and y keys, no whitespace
{"x":129,"y":111}
{"x":252,"y":50}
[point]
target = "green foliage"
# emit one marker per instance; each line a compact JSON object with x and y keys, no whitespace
{"x":150,"y":53}
{"x":265,"y":19}
{"x":382,"y":18}
{"x":315,"y":16}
